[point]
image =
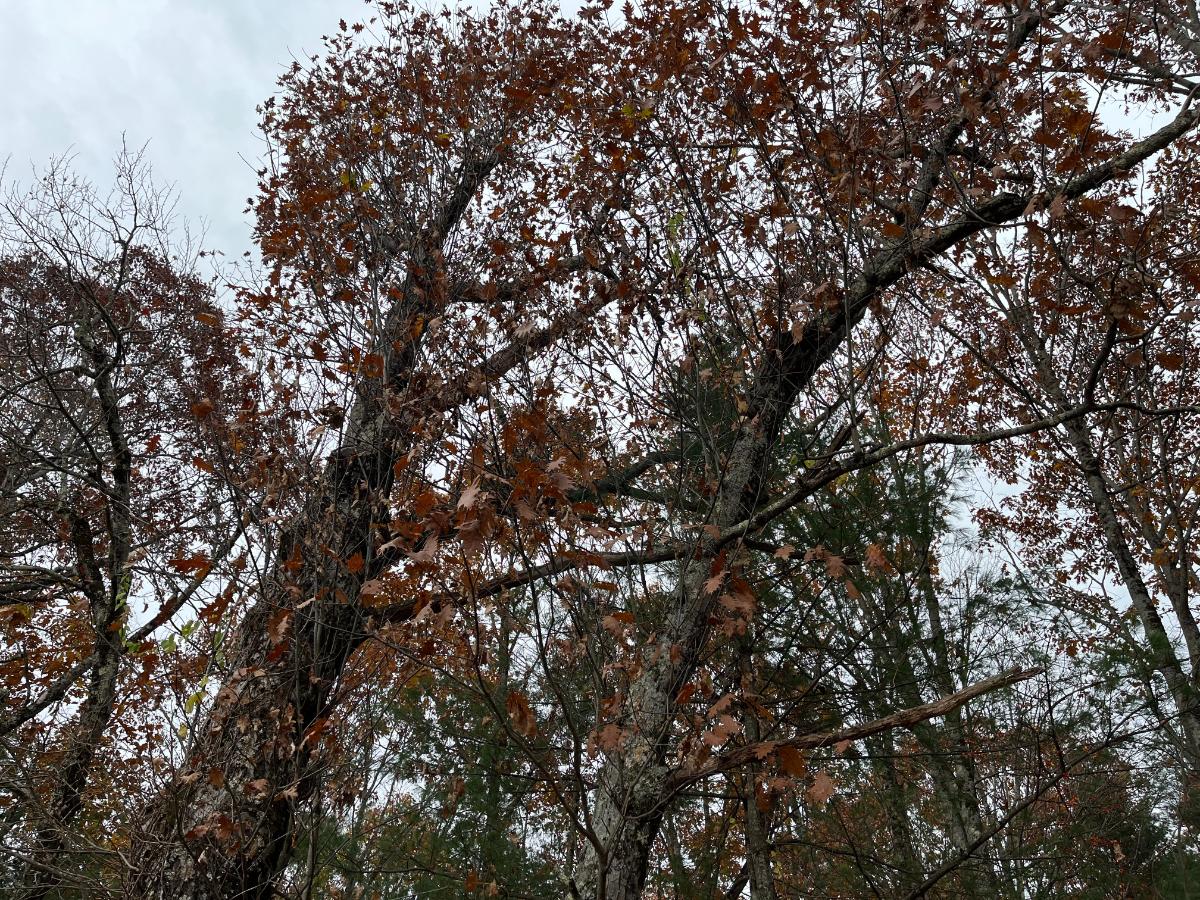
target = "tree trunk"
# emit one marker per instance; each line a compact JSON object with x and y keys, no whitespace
{"x":107,"y":606}
{"x":73,"y":774}
{"x":634,"y":787}
{"x":224,"y":827}
{"x":1160,"y":650}
{"x":758,"y":834}
{"x":757,"y":819}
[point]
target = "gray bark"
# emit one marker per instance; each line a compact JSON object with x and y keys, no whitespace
{"x":1159,"y":648}
{"x":224,"y":827}
{"x":106,"y":604}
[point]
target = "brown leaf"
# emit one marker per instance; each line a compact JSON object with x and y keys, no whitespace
{"x":725,"y":728}
{"x":609,"y":737}
{"x":1172,"y":362}
{"x":427,"y":552}
{"x":188,"y":565}
{"x":1121,"y":213}
{"x":225,"y":827}
{"x":791,"y":761}
{"x":741,"y":604}
{"x":876,"y":559}
{"x":821,"y":789}
{"x":521,"y":715}
{"x":256,"y":788}
{"x":613,"y":626}
{"x":722,"y":704}
{"x":277,"y":626}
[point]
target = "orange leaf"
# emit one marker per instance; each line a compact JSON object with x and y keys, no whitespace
{"x":876,"y":559}
{"x":187,"y":565}
{"x":520,"y":714}
{"x":791,"y":761}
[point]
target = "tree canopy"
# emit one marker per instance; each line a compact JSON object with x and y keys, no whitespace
{"x":681,"y":450}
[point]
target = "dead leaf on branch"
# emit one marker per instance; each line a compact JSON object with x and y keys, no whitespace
{"x":791,"y":761}
{"x":821,"y":789}
{"x":520,"y":714}
{"x":726,"y":727}
{"x":876,"y":559}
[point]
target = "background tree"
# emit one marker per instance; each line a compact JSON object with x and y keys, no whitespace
{"x":113,"y":350}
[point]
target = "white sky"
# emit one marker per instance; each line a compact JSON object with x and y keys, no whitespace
{"x":183,"y":75}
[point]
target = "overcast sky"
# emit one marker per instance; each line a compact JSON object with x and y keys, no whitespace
{"x":183,"y":75}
